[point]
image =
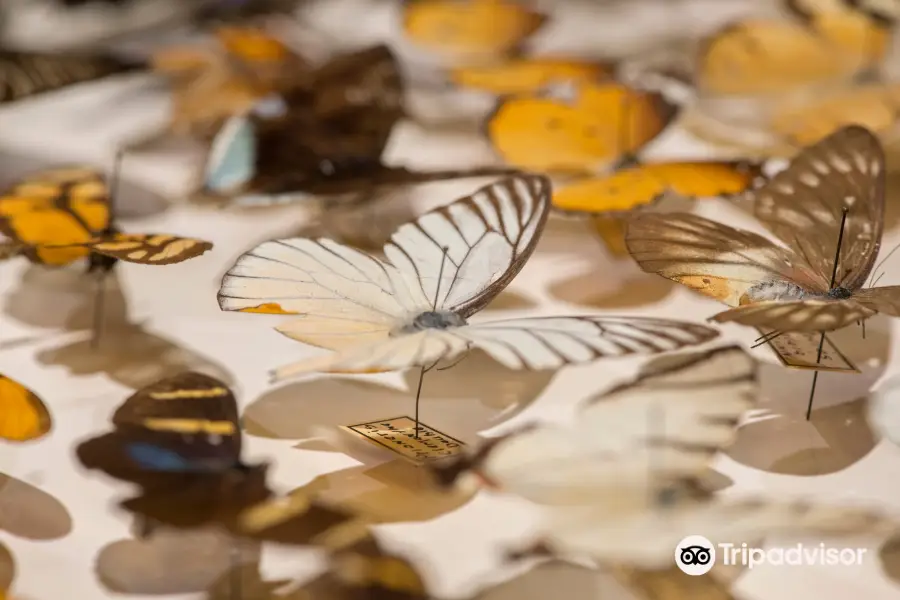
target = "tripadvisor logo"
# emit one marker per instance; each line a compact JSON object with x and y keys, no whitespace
{"x":696,"y":555}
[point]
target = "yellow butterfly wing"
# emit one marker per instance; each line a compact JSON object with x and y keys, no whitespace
{"x":149,"y":249}
{"x":23,"y":416}
{"x":56,"y":207}
{"x":601,"y":124}
{"x":875,"y":107}
{"x":527,"y":75}
{"x":251,"y":44}
{"x":756,"y":57}
{"x":633,"y":187}
{"x":469,"y":30}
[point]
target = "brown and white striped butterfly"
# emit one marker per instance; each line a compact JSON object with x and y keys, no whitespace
{"x":827,"y":207}
{"x":412,"y":309}
{"x":622,"y":482}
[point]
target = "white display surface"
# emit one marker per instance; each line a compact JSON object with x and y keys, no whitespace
{"x":174,"y":323}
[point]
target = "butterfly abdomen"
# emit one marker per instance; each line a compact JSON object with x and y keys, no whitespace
{"x":779,"y":290}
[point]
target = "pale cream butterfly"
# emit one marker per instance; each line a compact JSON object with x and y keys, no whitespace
{"x":412,"y":309}
{"x":622,"y":483}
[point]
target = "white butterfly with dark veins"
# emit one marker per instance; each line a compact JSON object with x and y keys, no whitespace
{"x":413,"y":308}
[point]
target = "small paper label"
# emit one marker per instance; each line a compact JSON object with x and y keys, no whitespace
{"x":398,"y":434}
{"x":800,"y":350}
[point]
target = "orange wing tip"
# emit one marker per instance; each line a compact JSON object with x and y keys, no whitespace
{"x":269,"y":308}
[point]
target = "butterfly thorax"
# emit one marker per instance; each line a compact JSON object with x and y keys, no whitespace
{"x":839,"y":293}
{"x":432,"y":319}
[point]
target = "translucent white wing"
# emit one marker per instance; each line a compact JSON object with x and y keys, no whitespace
{"x":528,"y":343}
{"x":647,"y":538}
{"x":349,"y":298}
{"x":346,"y":297}
{"x":482,"y":241}
{"x":668,"y":423}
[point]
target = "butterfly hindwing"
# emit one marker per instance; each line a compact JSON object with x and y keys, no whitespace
{"x":23,"y":415}
{"x":636,"y":186}
{"x":231,"y":163}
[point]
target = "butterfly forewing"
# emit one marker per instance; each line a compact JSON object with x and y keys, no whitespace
{"x":712,"y":258}
{"x":805,"y":204}
{"x":488,"y":236}
{"x":23,"y":416}
{"x":190,"y":411}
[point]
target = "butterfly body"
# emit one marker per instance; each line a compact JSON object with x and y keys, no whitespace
{"x":433,"y":319}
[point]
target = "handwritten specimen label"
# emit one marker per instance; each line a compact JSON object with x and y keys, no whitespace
{"x":800,"y":350}
{"x":398,"y":435}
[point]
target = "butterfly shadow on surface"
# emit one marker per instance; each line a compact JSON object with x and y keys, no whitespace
{"x":889,"y":557}
{"x":128,"y":353}
{"x":459,"y":401}
{"x":172,"y":561}
{"x":838,"y":434}
{"x":30,"y":513}
{"x":7,"y":569}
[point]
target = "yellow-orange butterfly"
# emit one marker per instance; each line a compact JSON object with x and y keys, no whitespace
{"x":825,"y":41}
{"x":577,"y":128}
{"x":60,"y":216}
{"x":803,"y":122}
{"x":470,"y":31}
{"x":23,"y":416}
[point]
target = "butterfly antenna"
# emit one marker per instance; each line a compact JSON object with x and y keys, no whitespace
{"x":881,"y":264}
{"x":834,"y":270}
{"x":437,"y":293}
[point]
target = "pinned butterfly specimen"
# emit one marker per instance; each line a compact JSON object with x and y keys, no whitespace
{"x":827,"y":207}
{"x":577,"y":128}
{"x":211,"y":84}
{"x":826,"y":41}
{"x":528,"y":75}
{"x":27,"y":74}
{"x":329,"y":140}
{"x":470,"y":31}
{"x":59,"y":216}
{"x":620,"y":484}
{"x":23,"y":416}
{"x":413,"y":309}
{"x":179,"y":439}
